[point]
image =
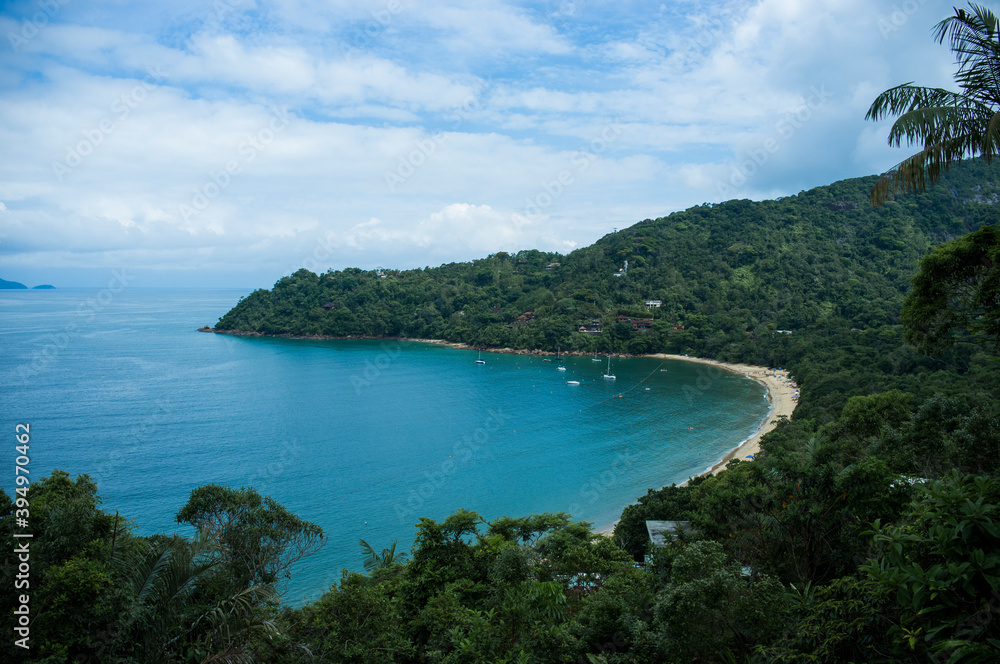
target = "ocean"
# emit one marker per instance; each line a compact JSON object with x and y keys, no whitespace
{"x":362,"y":437}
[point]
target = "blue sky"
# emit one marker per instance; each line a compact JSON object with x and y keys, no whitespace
{"x":229,"y":142}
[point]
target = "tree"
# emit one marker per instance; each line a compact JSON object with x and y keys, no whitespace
{"x":375,"y":560}
{"x":942,"y":564}
{"x":361,"y":621}
{"x":262,"y":538}
{"x":711,"y":605}
{"x":171,"y":619}
{"x":74,"y":597}
{"x":950,"y":125}
{"x":957,"y":292}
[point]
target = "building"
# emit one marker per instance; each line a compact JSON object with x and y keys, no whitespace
{"x":659,"y":530}
{"x":637,"y":323}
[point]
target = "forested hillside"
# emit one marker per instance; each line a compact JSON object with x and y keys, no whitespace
{"x":728,"y":274}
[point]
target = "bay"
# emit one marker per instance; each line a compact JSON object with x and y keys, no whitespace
{"x":360,"y":437}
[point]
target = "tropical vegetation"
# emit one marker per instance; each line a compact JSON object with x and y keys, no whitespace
{"x":867,"y":530}
{"x":951,"y":126}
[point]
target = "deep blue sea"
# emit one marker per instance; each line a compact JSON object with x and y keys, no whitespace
{"x":360,"y":437}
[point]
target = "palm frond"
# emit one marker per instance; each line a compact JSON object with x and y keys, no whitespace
{"x":973,"y":37}
{"x":950,"y":126}
{"x":375,"y":560}
{"x":907,"y":97}
{"x":917,"y":172}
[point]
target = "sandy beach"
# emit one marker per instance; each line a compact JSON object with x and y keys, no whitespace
{"x":782,"y":392}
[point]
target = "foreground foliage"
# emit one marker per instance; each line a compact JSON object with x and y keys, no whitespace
{"x":950,"y":126}
{"x":99,"y":593}
{"x":908,"y":572}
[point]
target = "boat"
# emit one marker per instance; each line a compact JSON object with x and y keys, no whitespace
{"x":559,"y":359}
{"x":480,"y":360}
{"x":595,"y":357}
{"x":572,"y":382}
{"x":609,"y":375}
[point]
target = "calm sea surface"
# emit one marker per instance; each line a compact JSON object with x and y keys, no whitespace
{"x":360,"y":437}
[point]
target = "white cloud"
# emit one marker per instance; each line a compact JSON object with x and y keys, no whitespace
{"x":494,"y":28}
{"x":476,"y":111}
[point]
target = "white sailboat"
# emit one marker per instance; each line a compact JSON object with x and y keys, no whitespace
{"x":559,"y":359}
{"x":480,"y":360}
{"x":609,"y":375}
{"x":595,"y":357}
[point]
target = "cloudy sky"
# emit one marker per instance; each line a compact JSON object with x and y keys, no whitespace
{"x":230,"y":142}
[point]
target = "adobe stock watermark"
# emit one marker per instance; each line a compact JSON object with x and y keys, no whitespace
{"x":424,"y":148}
{"x":784,"y":129}
{"x":55,"y":343}
{"x":592,"y":488}
{"x":893,"y":21}
{"x":321,"y":254}
{"x":618,"y":643}
{"x":93,"y":137}
{"x":972,"y":629}
{"x":565,"y":11}
{"x":47,"y":10}
{"x":580,"y":161}
{"x":464,"y":453}
{"x":365,"y":35}
{"x":218,"y":181}
{"x":707,"y":377}
{"x":714,"y":31}
{"x":286,"y":455}
{"x":225,"y":7}
{"x":373,"y":368}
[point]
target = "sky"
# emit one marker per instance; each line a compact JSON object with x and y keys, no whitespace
{"x":226,"y":143}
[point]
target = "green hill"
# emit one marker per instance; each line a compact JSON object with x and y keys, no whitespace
{"x":728,"y":274}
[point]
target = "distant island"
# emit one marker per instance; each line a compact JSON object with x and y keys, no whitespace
{"x":16,"y":285}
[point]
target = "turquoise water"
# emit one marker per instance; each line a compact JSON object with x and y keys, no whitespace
{"x":360,"y":437}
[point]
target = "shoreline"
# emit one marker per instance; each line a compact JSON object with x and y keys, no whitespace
{"x":458,"y":345}
{"x":782,"y":392}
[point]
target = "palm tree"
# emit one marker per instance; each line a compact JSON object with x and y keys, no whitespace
{"x":172,"y":618}
{"x":951,"y":125}
{"x":375,"y":560}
